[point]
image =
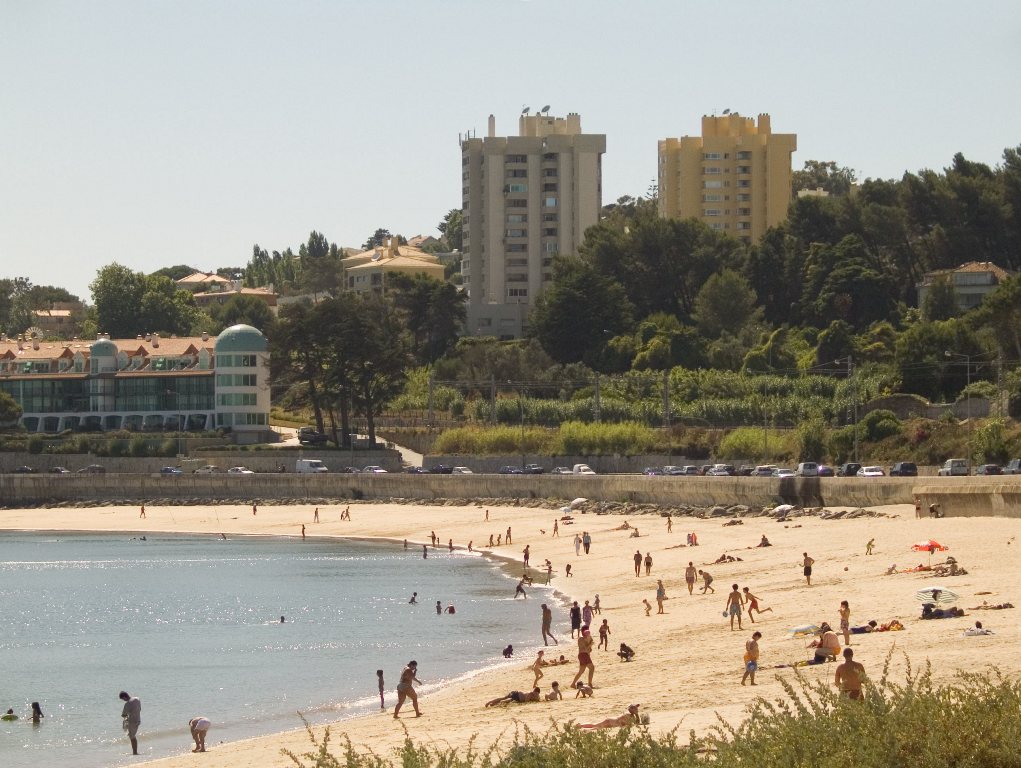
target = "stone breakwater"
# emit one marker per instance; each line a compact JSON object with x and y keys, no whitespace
{"x":735,"y":512}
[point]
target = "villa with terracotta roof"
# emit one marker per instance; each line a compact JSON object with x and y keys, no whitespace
{"x":204,"y":281}
{"x":366,"y":271}
{"x":142,"y":384}
{"x":972,"y":282}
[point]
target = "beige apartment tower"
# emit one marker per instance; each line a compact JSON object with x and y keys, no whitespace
{"x":736,"y":176}
{"x":525,"y":199}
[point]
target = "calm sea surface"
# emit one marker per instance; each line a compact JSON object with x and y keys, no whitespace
{"x":191,"y":625}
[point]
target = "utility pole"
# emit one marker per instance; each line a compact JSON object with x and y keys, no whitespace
{"x":854,"y":403}
{"x":596,"y":405}
{"x":430,"y":416}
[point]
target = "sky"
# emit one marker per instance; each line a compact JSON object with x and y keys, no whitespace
{"x":160,"y":132}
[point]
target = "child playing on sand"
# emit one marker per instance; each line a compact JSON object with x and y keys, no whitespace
{"x":751,"y":657}
{"x":537,"y":668}
{"x":554,"y":693}
{"x":585,"y":691}
{"x":648,"y":607}
{"x":604,"y":635}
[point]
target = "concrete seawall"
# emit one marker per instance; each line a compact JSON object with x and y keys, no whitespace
{"x":970,"y":496}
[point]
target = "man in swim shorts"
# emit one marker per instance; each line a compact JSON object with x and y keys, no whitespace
{"x":517,"y":697}
{"x":733,"y":608}
{"x":807,"y":564}
{"x":849,"y":675}
{"x":689,"y":577}
{"x":707,"y":582}
{"x":547,"y":622}
{"x":751,"y":657}
{"x":585,"y":644}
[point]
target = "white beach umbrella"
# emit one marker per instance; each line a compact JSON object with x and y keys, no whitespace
{"x":578,"y":502}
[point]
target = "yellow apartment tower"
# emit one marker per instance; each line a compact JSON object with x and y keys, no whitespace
{"x":525,"y":199}
{"x":736,"y":176}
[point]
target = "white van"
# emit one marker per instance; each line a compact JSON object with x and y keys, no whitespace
{"x":309,"y":466}
{"x":807,"y":469}
{"x":583,"y":469}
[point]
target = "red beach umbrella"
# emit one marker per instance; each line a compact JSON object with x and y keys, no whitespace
{"x":929,"y":546}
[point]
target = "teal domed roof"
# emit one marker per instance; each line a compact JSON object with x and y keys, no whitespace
{"x":241,"y":338}
{"x":103,"y":348}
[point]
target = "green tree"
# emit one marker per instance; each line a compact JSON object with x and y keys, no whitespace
{"x":922,"y":361}
{"x":243,"y":308}
{"x":726,"y":304}
{"x":117,"y":297}
{"x":452,"y":229}
{"x":176,"y":272}
{"x":433,"y":312}
{"x":1000,"y":312}
{"x":940,"y":300}
{"x":834,"y":343}
{"x":825,"y":175}
{"x":10,"y":411}
{"x":380,"y":236}
{"x":578,"y":313}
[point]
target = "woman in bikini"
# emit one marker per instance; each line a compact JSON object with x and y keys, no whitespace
{"x":406,"y":689}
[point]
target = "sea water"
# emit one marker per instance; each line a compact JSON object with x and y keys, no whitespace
{"x":192,"y":626}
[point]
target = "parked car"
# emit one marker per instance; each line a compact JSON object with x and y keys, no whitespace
{"x":690,"y":469}
{"x":783,"y":473}
{"x":825,"y":471}
{"x":745,"y":470}
{"x":1012,"y":467}
{"x":311,"y":436}
{"x":93,"y":469}
{"x":373,"y":469}
{"x":349,"y":471}
{"x":561,"y":471}
{"x":582,"y":469}
{"x":461,"y":471}
{"x":721,"y":470}
{"x":953,"y":468}
{"x":652,"y":471}
{"x":704,"y":469}
{"x":240,"y":471}
{"x":670,"y":469}
{"x":441,"y":469}
{"x":534,"y":469}
{"x":850,"y":469}
{"x":988,"y":469}
{"x":509,"y":470}
{"x":23,"y":470}
{"x":904,"y":469}
{"x":171,"y":471}
{"x":60,"y":471}
{"x":208,"y":469}
{"x":871,"y":471}
{"x":764,"y":470}
{"x":416,"y":471}
{"x":807,"y":469}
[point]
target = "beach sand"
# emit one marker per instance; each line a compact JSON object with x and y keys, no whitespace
{"x":689,"y":663}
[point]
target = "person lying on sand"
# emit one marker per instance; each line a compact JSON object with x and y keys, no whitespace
{"x":725,"y":558}
{"x":987,"y":607}
{"x":872,"y":626}
{"x":628,"y":718}
{"x":517,"y":697}
{"x":622,"y":527}
{"x":978,"y":629}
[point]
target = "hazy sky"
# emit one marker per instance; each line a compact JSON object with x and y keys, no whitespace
{"x":164,"y":132}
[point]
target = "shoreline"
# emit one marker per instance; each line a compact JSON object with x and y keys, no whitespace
{"x":688,"y":663}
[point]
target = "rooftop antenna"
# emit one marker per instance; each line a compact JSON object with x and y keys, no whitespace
{"x":545,"y":110}
{"x":525,"y":110}
{"x":726,"y":111}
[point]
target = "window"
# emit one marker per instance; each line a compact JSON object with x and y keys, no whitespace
{"x":517,"y":262}
{"x":516,"y":159}
{"x":712,"y":212}
{"x":517,"y":218}
{"x":744,"y":169}
{"x":549,"y":187}
{"x":712,"y":170}
{"x":517,"y":248}
{"x":517,"y":277}
{"x":717,"y":226}
{"x":517,"y":203}
{"x":744,"y":183}
{"x":517,"y":292}
{"x":549,"y":232}
{"x":744,"y":155}
{"x":517,"y":173}
{"x":550,"y":217}
{"x":550,"y":156}
{"x":517,"y":187}
{"x":517,"y":233}
{"x":744,"y":225}
{"x":712,"y":184}
{"x":235,"y":380}
{"x":743,"y":197}
{"x":712,"y":198}
{"x":550,"y":172}
{"x":235,"y":398}
{"x":549,"y":202}
{"x":744,"y":211}
{"x":711,"y":156}
{"x":547,"y":262}
{"x":550,"y":247}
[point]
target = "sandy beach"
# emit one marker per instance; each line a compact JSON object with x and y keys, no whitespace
{"x":689,"y":663}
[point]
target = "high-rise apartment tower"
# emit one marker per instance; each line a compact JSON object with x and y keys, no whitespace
{"x":736,"y":176}
{"x":525,"y":199}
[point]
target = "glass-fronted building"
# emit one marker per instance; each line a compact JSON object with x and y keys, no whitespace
{"x":142,"y":384}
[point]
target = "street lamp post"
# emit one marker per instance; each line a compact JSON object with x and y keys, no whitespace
{"x":967,"y":361}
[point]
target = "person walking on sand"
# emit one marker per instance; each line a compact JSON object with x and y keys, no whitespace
{"x":669,"y":524}
{"x":845,"y":621}
{"x":499,"y":539}
{"x":753,"y":604}
{"x":733,"y":607}
{"x":584,"y":656}
{"x":707,"y":582}
{"x":586,"y":614}
{"x":689,"y":577}
{"x":547,"y":622}
{"x":577,"y":544}
{"x":604,"y":635}
{"x":537,"y":667}
{"x":869,"y":546}
{"x":254,"y":510}
{"x":807,"y":564}
{"x":199,"y":727}
{"x":526,"y":553}
{"x":382,"y":688}
{"x":595,"y":605}
{"x":660,"y":595}
{"x":406,"y":688}
{"x":575,"y":618}
{"x":648,"y":606}
{"x":648,"y":563}
{"x":315,"y":516}
{"x":638,"y":563}
{"x":508,"y":535}
{"x":586,"y":541}
{"x":131,"y":714}
{"x":450,"y":545}
{"x":549,"y":572}
{"x":556,"y":529}
{"x":751,"y":657}
{"x":302,"y":531}
{"x":141,"y":512}
{"x":849,"y":676}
